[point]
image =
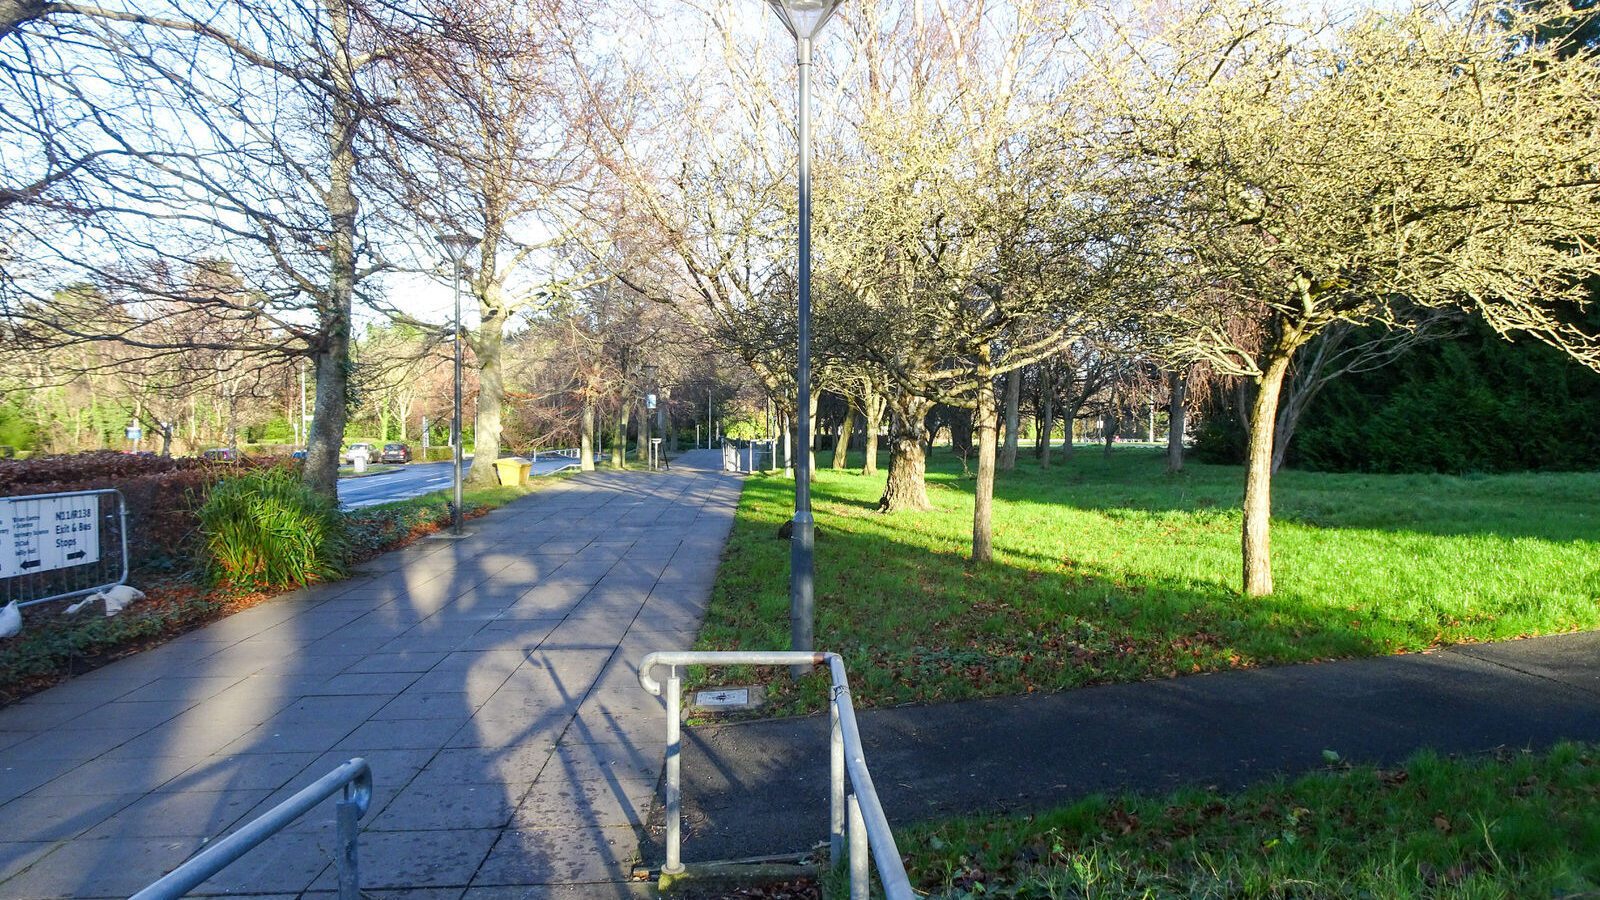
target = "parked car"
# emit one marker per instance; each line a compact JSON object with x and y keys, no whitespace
{"x":298,"y":454}
{"x":395,"y":453}
{"x":348,"y":457}
{"x":222,"y":454}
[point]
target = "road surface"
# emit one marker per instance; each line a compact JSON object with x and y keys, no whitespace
{"x":416,"y":479}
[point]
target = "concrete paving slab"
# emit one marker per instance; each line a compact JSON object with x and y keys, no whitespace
{"x":114,"y":867}
{"x":559,"y":856}
{"x":110,"y":776}
{"x":597,"y":803}
{"x":289,"y":862}
{"x":597,"y":891}
{"x":422,"y":859}
{"x":59,"y":817}
{"x":449,"y":668}
{"x":178,"y":814}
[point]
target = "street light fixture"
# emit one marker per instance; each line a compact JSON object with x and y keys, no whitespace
{"x":457,"y":245}
{"x":804,"y":19}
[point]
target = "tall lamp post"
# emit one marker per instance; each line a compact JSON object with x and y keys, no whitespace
{"x":458,"y":246}
{"x":804,"y":19}
{"x":644,"y":421}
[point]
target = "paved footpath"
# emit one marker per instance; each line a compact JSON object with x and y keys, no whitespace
{"x":761,"y":787}
{"x":489,"y":681}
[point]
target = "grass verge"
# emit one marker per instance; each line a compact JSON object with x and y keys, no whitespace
{"x":1513,"y":825}
{"x":54,"y":646}
{"x":1110,"y":570}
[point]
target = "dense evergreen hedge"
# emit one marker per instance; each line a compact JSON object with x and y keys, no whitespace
{"x":1474,"y":404}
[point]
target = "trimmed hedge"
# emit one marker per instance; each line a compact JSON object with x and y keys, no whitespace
{"x":161,"y":495}
{"x":1477,"y":403}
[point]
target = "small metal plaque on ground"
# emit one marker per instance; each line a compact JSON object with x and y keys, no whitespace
{"x":729,"y":699}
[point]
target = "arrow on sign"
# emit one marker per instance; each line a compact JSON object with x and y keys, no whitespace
{"x":77,"y":554}
{"x":31,"y":564}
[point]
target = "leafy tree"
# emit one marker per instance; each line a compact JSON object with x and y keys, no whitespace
{"x":1317,"y":177}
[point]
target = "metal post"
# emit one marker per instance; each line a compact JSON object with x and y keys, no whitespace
{"x":455,"y":416}
{"x":860,"y":859}
{"x":836,"y":784}
{"x":349,"y":865}
{"x":802,"y":545}
{"x":674,"y":864}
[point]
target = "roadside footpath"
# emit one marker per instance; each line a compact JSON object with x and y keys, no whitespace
{"x":489,"y":681}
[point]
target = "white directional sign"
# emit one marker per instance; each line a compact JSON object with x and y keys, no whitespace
{"x":39,"y":534}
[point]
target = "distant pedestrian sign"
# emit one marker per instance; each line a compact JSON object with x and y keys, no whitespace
{"x":40,"y":534}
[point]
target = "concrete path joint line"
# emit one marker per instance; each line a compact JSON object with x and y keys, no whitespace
{"x":489,"y":681}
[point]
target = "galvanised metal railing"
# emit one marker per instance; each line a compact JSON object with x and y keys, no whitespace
{"x":354,"y":778}
{"x":870,"y":839}
{"x":755,"y":456}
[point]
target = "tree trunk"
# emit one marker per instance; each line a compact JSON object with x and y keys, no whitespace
{"x":984,"y":423}
{"x":641,"y":448}
{"x":906,"y":488}
{"x":586,"y":438}
{"x":788,"y":445}
{"x":1047,"y":427}
{"x":1257,"y":538}
{"x":619,"y":438}
{"x":1179,"y":389}
{"x":874,"y":415}
{"x":487,"y":346}
{"x":841,"y":447}
{"x":811,"y":438}
{"x":1069,"y":422}
{"x":664,"y":419}
{"x":961,"y":425}
{"x":1111,"y":424}
{"x":332,"y":355}
{"x":1008,"y":458}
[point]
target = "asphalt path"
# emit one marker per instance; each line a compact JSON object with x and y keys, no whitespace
{"x":415,"y":479}
{"x":761,"y":787}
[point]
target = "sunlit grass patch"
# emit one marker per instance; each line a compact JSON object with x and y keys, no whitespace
{"x":1111,"y":570}
{"x":1516,"y":825}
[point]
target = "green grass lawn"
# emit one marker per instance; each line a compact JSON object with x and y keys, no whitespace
{"x":1110,"y":570}
{"x":1521,"y":825}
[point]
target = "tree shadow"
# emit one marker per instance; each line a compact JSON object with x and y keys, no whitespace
{"x":1551,"y":506}
{"x":483,"y":679}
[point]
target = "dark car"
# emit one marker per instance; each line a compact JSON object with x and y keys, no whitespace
{"x":222,"y":454}
{"x":395,"y":453}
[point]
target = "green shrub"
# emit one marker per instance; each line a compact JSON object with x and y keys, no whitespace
{"x":374,"y":529}
{"x":267,"y":529}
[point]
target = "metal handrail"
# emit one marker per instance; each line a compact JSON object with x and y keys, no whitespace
{"x":870,"y":836}
{"x":354,"y":778}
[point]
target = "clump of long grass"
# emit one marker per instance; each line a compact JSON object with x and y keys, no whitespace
{"x":266,"y":529}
